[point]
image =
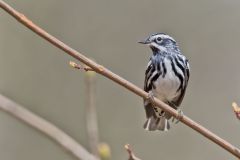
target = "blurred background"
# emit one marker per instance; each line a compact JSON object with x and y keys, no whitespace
{"x":36,"y":75}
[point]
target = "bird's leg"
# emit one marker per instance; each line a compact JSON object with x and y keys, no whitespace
{"x":150,"y":98}
{"x":158,"y":111}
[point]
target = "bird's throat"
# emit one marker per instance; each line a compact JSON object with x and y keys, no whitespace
{"x":154,"y":49}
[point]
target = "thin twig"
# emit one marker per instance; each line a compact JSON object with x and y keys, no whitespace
{"x":116,"y":78}
{"x":45,"y":127}
{"x":130,"y":153}
{"x":91,"y":115}
{"x":236,"y":110}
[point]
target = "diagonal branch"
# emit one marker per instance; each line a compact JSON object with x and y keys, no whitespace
{"x":45,"y":127}
{"x":116,"y":78}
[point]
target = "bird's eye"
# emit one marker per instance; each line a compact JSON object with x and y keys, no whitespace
{"x":159,"y":39}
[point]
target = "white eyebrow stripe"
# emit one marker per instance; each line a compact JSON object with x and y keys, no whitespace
{"x":167,"y":37}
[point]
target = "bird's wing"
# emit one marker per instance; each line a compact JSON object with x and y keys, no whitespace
{"x":179,"y":99}
{"x":150,"y":69}
{"x":147,"y":87}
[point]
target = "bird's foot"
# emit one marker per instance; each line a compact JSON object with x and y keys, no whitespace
{"x":179,"y":115}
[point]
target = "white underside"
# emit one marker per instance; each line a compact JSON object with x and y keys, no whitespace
{"x":166,"y":88}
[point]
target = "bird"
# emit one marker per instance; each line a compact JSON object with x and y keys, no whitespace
{"x":166,"y":78}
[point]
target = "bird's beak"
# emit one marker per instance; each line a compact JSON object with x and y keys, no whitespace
{"x":146,"y":41}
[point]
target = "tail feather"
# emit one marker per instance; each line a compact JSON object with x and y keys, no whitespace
{"x":153,"y":124}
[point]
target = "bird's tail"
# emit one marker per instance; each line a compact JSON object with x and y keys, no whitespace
{"x":157,"y":123}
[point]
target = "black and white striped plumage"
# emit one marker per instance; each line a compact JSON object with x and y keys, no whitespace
{"x":166,"y":77}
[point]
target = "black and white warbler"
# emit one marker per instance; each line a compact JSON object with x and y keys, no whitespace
{"x":166,"y":78}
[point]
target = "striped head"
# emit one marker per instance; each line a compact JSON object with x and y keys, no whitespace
{"x":160,"y":43}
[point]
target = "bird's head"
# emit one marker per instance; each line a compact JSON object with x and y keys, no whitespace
{"x":161,"y":42}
